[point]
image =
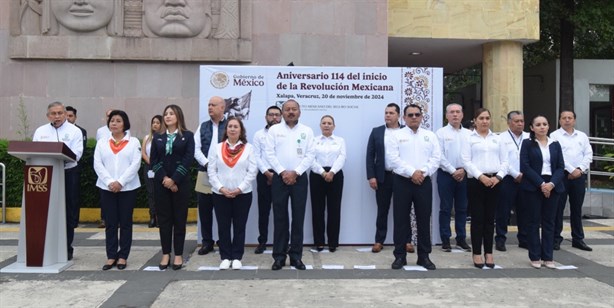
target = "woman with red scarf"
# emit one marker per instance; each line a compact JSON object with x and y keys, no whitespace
{"x":232,"y":169}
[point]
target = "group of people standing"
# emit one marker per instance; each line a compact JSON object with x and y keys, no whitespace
{"x":478,"y":172}
{"x":481,"y":173}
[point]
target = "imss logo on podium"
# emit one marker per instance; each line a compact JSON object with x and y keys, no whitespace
{"x":38,"y":179}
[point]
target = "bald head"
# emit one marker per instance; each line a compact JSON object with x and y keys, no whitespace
{"x":216,"y":108}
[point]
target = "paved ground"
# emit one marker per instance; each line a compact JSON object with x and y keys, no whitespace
{"x":455,"y":283}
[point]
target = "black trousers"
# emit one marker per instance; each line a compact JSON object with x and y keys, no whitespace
{"x":383,"y":196}
{"x":232,"y":213}
{"x":151,"y":201}
{"x":541,"y":211}
{"x":72,"y":189}
{"x":326,"y":207}
{"x":406,"y":195}
{"x":297,"y":194}
{"x":510,"y":198}
{"x":118,"y":208}
{"x":264,"y":207}
{"x":172,"y":211}
{"x":483,"y":202}
{"x":205,"y":214}
{"x":575,"y":189}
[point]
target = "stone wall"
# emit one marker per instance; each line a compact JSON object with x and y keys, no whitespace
{"x":318,"y":32}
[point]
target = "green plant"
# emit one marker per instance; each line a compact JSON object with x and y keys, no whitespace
{"x":24,"y":124}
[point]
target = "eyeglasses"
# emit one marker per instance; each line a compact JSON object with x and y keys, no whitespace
{"x":413,"y":115}
{"x":273,"y":114}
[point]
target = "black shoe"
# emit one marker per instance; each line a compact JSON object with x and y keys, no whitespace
{"x":164,"y":266}
{"x":177,"y":267}
{"x":278,"y":264}
{"x":491,"y":265}
{"x":69,"y":256}
{"x":523,"y":245}
{"x":445,"y":246}
{"x":122,"y":266}
{"x":463,"y":245}
{"x":426,"y":263}
{"x":332,"y":249}
{"x":500,"y":246}
{"x":556,"y":246}
{"x":581,"y":245}
{"x":319,"y":248}
{"x":399,"y":263}
{"x":107,"y":267}
{"x":298,"y":264}
{"x":205,"y":249}
{"x":260,"y":249}
{"x":152,"y":222}
{"x":478,"y":265}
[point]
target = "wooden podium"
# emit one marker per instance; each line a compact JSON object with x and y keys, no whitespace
{"x":42,"y":228}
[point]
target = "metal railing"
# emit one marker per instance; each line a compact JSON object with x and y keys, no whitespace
{"x":3,"y":184}
{"x":600,"y":141}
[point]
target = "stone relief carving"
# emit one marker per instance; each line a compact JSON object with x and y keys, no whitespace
{"x":199,"y":23}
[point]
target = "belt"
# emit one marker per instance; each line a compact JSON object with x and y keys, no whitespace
{"x":489,"y":174}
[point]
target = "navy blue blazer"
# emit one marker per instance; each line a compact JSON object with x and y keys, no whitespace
{"x":376,"y":154}
{"x":531,"y":162}
{"x":176,"y":165}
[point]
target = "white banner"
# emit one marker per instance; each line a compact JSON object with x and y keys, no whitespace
{"x":355,"y":96}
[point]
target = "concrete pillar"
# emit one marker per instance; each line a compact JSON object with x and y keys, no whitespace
{"x":502,"y":80}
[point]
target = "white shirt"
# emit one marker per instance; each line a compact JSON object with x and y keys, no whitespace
{"x":484,"y":155}
{"x":290,"y":148}
{"x":577,"y":151}
{"x":408,"y":151}
{"x":122,"y":167}
{"x":450,"y":142}
{"x":68,"y":133}
{"x":387,"y":133}
{"x":513,"y":144}
{"x":259,"y":143}
{"x":546,"y":165}
{"x":200,"y":157}
{"x":103,"y":132}
{"x":240,"y":176}
{"x":329,"y":152}
{"x":148,"y":146}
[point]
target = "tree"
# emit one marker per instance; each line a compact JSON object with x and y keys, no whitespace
{"x":572,"y":29}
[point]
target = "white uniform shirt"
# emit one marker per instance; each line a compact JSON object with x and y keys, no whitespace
{"x":408,"y":151}
{"x":259,"y":143}
{"x":68,"y":133}
{"x":577,"y":151}
{"x":103,"y":132}
{"x":329,"y":152}
{"x":241,"y":175}
{"x":387,"y":133}
{"x":122,"y":167}
{"x":546,"y":164}
{"x":199,"y":156}
{"x":484,"y":155}
{"x":451,"y":141}
{"x":290,"y":148}
{"x":513,"y":144}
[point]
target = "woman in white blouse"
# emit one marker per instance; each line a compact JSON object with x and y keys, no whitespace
{"x":485,"y":160}
{"x":155,"y":127}
{"x":117,"y":161}
{"x":232,"y":169}
{"x":326,"y":185}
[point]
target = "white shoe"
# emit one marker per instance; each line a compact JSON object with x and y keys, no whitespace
{"x":225,"y":264}
{"x":549,"y":264}
{"x":236,"y":264}
{"x":536,"y":264}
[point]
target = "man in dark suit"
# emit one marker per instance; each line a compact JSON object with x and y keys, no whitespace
{"x":379,"y":174}
{"x":208,"y":133}
{"x":71,"y":116}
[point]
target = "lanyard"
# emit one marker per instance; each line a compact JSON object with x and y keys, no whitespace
{"x":514,"y":139}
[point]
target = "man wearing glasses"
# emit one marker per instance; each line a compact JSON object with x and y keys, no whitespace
{"x":414,"y":155}
{"x":264,"y":177}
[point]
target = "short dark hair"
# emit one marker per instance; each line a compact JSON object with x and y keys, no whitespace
{"x":573,"y":112}
{"x":412,"y":106}
{"x":71,"y":108}
{"x":395,"y":106}
{"x":272,"y":107}
{"x":124,"y":117}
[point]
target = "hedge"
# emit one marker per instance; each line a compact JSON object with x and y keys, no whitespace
{"x":90,"y":196}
